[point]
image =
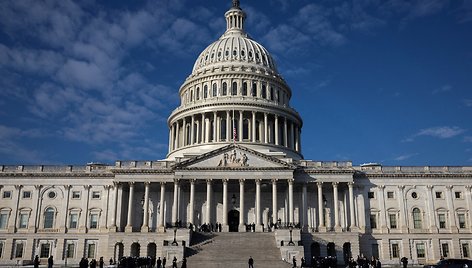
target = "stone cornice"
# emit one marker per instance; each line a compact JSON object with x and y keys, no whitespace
{"x":141,"y":171}
{"x":40,"y":174}
{"x":413,"y":175}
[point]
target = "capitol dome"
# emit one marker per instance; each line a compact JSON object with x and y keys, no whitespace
{"x":235,"y":94}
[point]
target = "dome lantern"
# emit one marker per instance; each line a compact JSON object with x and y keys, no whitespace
{"x":235,"y":18}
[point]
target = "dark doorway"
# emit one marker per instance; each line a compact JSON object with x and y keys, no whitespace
{"x":331,"y":249}
{"x":347,"y":252}
{"x":315,"y":250}
{"x":233,"y":220}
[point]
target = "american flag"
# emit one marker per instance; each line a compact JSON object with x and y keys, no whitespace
{"x":234,"y":134}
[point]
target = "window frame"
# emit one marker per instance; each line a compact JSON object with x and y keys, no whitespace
{"x":7,"y":194}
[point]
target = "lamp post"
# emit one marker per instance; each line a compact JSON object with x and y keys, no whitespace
{"x":290,"y":243}
{"x":174,"y":243}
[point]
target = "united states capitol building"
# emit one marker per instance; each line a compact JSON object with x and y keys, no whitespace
{"x":235,"y":158}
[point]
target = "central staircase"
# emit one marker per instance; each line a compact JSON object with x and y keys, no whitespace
{"x":232,"y":250}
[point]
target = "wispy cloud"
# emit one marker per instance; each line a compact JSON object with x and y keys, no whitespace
{"x":444,"y":132}
{"x":467,"y":102}
{"x":468,"y":139}
{"x":445,"y":88}
{"x":405,"y":157}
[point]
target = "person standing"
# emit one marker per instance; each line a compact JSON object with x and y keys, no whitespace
{"x":101,"y":262}
{"x":36,"y":261}
{"x":184,"y":263}
{"x":164,"y":262}
{"x":50,"y":261}
{"x":294,"y":261}
{"x":404,"y":261}
{"x":158,"y":262}
{"x":250,"y":262}
{"x":174,"y":262}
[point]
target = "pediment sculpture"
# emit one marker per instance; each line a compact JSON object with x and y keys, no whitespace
{"x":232,"y":160}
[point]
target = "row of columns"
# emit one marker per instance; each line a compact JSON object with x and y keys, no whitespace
{"x":203,"y":129}
{"x":161,"y":221}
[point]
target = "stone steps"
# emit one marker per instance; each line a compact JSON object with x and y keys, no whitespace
{"x":232,"y":250}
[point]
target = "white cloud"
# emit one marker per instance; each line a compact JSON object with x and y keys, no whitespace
{"x":404,"y":157}
{"x":445,"y":88}
{"x":444,"y":132}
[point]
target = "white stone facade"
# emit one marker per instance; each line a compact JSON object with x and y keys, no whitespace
{"x":234,"y":158}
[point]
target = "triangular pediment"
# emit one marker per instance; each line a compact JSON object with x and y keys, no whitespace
{"x":233,"y":156}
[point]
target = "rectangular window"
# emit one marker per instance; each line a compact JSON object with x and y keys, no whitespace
{"x":3,"y":220}
{"x":373,"y":221}
{"x":420,"y":250}
{"x":465,"y":250}
{"x":70,"y":250}
{"x":6,"y":194}
{"x":393,"y":221}
{"x":390,"y":195}
{"x":26,"y":194}
{"x":1,"y":249}
{"x":458,"y":195}
{"x":75,"y":194}
{"x":95,"y":195}
{"x":445,"y":250}
{"x":91,"y":251}
{"x":461,"y":218}
{"x":44,"y":252}
{"x":93,"y":221}
{"x":73,"y":219}
{"x":19,"y":250}
{"x":371,"y":195}
{"x":442,"y":221}
{"x":23,"y":221}
{"x":439,"y":195}
{"x":395,"y":251}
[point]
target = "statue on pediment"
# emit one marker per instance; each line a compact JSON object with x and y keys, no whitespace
{"x":232,"y":160}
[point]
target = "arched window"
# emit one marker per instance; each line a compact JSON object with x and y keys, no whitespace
{"x":417,"y":224}
{"x":215,"y":91}
{"x":254,"y":90}
{"x":191,"y":95}
{"x":246,"y":129}
{"x":264,"y":92}
{"x":197,"y":95}
{"x":245,"y":89}
{"x":234,"y":89}
{"x":225,"y":89}
{"x":49,"y":218}
{"x":271,"y":93}
{"x":205,"y":92}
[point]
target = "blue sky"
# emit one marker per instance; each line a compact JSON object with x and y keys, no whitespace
{"x":386,"y":81}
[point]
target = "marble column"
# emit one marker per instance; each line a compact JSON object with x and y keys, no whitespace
{"x":192,"y":202}
{"x":321,"y":208}
{"x":177,"y":134}
{"x":208,"y":202}
{"x":297,"y":138}
{"x":175,"y":203}
{"x":285,"y":133}
{"x":276,"y":130}
{"x":258,"y":203}
{"x":214,"y":126}
{"x":225,"y":205}
{"x":304,"y":207}
{"x":274,"y":202}
{"x":292,"y":136}
{"x":254,"y":126}
{"x":129,"y":224}
{"x":161,"y":208}
{"x":266,"y":129}
{"x":352,"y":225}
{"x":242,"y":227}
{"x":115,"y":205}
{"x":172,"y":139}
{"x":337,"y":225}
{"x":184,"y":132}
{"x":403,"y":214}
{"x":240,"y":132}
{"x":228,"y":129}
{"x":192,"y":130}
{"x":145,"y":226}
{"x":203,"y":126}
{"x":451,"y":209}
{"x":290,"y":201}
{"x":383,"y":214}
{"x":432,"y":216}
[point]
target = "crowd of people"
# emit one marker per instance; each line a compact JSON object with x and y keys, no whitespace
{"x":363,"y":262}
{"x":147,"y":262}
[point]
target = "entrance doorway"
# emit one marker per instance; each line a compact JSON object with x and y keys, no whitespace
{"x":233,"y":220}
